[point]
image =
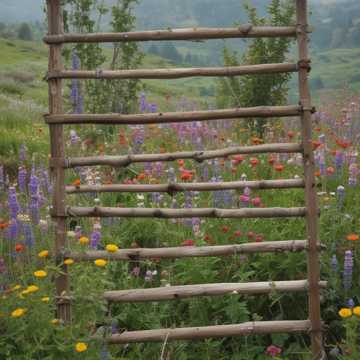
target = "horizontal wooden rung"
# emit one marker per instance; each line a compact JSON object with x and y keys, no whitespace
{"x":243,"y":31}
{"x":98,"y":211}
{"x":175,"y":117}
{"x":174,"y":73}
{"x":179,"y":187}
{"x":188,"y":291}
{"x":190,"y":251}
{"x":207,"y":332}
{"x":199,"y":156}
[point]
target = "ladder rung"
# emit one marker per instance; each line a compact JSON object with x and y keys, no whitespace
{"x":199,"y":156}
{"x":190,"y":251}
{"x":205,"y":332}
{"x":179,"y":187}
{"x":98,"y":211}
{"x":243,"y":31}
{"x":176,"y":73}
{"x":159,"y":118}
{"x":189,"y":291}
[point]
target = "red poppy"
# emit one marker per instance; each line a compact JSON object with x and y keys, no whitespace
{"x":330,"y":170}
{"x":343,"y":144}
{"x":225,"y":229}
{"x":256,"y":201}
{"x":259,"y":238}
{"x":271,"y":160}
{"x":254,"y":162}
{"x":279,"y":167}
{"x":186,"y":175}
{"x":188,"y":242}
{"x":237,"y":159}
{"x":19,"y":248}
{"x":237,"y":233}
{"x":290,"y":134}
{"x":181,"y":162}
{"x":141,"y":176}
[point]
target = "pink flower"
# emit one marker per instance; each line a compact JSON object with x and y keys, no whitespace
{"x":273,"y":350}
{"x":256,"y":201}
{"x":188,"y":242}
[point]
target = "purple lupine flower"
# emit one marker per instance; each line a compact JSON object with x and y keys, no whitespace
{"x":143,"y":103}
{"x":45,"y":180}
{"x":353,"y":174}
{"x":22,"y":153}
{"x":204,"y":171}
{"x":339,"y":160}
{"x":159,"y":169}
{"x":28,"y":234}
{"x":13,"y":230}
{"x":76,"y":97}
{"x":334,"y":263}
{"x":14,"y":206}
{"x":348,"y":269}
{"x":74,"y":138}
{"x":350,"y":303}
{"x":322,"y":163}
{"x":153,"y":108}
{"x":34,"y":208}
{"x":95,"y":236}
{"x":104,"y":353}
{"x":155,"y":196}
{"x":33,"y":184}
{"x":22,"y":178}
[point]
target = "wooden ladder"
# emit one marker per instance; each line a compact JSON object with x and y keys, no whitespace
{"x":59,"y":163}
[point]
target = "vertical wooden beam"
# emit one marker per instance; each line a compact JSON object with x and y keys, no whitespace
{"x":310,"y":188}
{"x":55,"y":24}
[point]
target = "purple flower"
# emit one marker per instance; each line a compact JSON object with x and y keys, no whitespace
{"x":348,"y":269}
{"x":14,"y":206}
{"x":22,"y":153}
{"x":2,"y":178}
{"x":13,"y":230}
{"x":29,"y":235}
{"x":22,"y":178}
{"x":334,"y":263}
{"x":95,"y":238}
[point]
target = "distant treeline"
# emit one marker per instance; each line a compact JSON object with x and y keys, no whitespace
{"x":23,"y":31}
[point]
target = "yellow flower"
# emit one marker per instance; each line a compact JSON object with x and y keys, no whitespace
{"x":80,"y":347}
{"x":18,"y":313}
{"x":16,"y":287}
{"x":43,"y":254}
{"x":356,"y":310}
{"x":111,"y":248}
{"x":84,"y":240}
{"x":40,"y":273}
{"x":68,"y":261}
{"x":100,"y":262}
{"x":45,"y":299}
{"x":31,"y":289}
{"x":345,"y":312}
{"x":55,"y":321}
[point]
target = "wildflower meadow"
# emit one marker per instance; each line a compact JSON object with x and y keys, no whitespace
{"x":30,"y":327}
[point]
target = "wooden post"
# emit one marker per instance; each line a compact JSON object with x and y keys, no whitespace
{"x":58,"y":155}
{"x":310,"y":187}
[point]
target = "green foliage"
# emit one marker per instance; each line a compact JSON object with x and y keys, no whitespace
{"x":105,"y":96}
{"x":25,"y":32}
{"x":257,"y":90}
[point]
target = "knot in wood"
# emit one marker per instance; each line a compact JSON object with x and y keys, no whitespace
{"x":304,"y":64}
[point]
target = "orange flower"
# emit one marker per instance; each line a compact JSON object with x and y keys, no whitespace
{"x":186,"y":175}
{"x":19,"y":248}
{"x":271,"y":160}
{"x":181,"y":162}
{"x":141,"y":176}
{"x":342,"y":144}
{"x":317,"y":173}
{"x":316,"y":144}
{"x":256,"y":141}
{"x":76,"y":182}
{"x":4,"y":225}
{"x":352,"y":237}
{"x":279,"y":167}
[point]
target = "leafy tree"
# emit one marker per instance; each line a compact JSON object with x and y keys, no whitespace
{"x":170,"y":52}
{"x":257,"y":90}
{"x":25,"y":32}
{"x":114,"y":95}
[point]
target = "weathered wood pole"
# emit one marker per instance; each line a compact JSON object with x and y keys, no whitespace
{"x":310,"y":187}
{"x":55,"y":25}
